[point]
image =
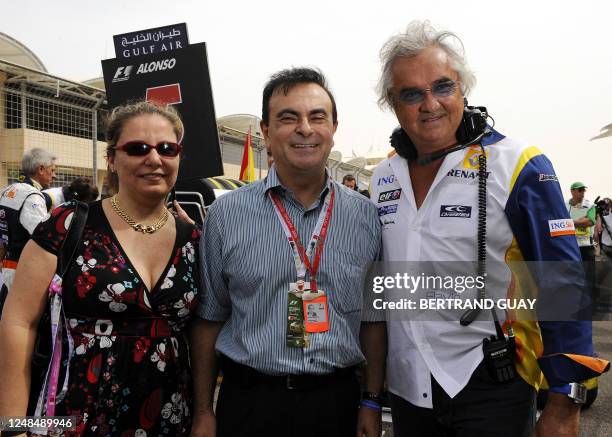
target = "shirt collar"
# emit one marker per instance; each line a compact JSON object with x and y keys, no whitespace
{"x":30,"y":181}
{"x":492,"y":138}
{"x":489,"y":139}
{"x":272,"y":182}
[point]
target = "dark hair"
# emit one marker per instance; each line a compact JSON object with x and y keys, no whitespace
{"x":81,"y":189}
{"x":349,"y":178}
{"x":287,"y":79}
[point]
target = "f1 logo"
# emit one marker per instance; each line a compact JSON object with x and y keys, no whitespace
{"x":122,"y":73}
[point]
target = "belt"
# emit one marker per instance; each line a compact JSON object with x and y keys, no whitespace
{"x":8,"y":264}
{"x":153,"y":327}
{"x":247,"y":377}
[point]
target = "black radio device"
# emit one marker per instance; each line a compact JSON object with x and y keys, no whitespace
{"x":499,"y":353}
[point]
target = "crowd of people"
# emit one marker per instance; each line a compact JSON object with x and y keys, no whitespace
{"x":271,"y":291}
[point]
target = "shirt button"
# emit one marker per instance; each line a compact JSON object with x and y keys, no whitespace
{"x":424,"y":395}
{"x":311,"y":360}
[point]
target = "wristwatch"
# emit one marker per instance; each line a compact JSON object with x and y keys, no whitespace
{"x":576,"y":391}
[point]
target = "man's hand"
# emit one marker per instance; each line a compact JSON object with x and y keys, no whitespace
{"x":583,"y":222}
{"x":202,"y":336}
{"x":369,"y":423}
{"x":204,"y":424}
{"x":560,"y":418}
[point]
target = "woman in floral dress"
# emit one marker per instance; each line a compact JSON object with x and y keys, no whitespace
{"x":127,"y":296}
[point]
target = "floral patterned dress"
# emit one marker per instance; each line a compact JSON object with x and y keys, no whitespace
{"x":130,"y":374}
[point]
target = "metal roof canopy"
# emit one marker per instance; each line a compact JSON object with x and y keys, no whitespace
{"x":19,"y":74}
{"x":234,"y":128}
{"x":17,"y":52}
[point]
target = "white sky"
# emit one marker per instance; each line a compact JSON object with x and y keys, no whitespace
{"x":544,"y":68}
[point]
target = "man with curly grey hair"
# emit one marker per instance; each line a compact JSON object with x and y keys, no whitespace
{"x":441,"y":373}
{"x":22,"y":207}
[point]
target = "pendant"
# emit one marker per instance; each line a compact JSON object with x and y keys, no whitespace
{"x":144,"y":229}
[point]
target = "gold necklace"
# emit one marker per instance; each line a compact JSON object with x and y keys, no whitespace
{"x":145,"y":229}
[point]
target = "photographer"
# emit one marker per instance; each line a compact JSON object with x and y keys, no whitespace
{"x":603,"y":226}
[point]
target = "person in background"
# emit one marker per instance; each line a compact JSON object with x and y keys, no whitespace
{"x":269,"y":157}
{"x":22,"y":207}
{"x":603,"y":226}
{"x":350,"y":182}
{"x":80,"y":189}
{"x":582,"y":213}
{"x":128,"y":294}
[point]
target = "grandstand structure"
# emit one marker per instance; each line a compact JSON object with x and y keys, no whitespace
{"x":39,"y":109}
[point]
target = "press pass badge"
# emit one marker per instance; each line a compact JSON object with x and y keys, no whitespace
{"x":298,"y":328}
{"x":316,"y":318}
{"x":296,"y":334}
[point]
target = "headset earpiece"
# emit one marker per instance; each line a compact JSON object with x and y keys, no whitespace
{"x":473,"y":123}
{"x":402,"y":144}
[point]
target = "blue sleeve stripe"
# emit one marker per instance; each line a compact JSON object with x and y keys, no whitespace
{"x":535,"y":199}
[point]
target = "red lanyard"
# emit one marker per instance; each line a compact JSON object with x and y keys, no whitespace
{"x":301,"y":256}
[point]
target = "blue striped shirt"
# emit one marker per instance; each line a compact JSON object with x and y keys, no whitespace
{"x":247,"y":266}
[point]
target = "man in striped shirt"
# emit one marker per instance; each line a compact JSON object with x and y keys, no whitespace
{"x":284,"y":260}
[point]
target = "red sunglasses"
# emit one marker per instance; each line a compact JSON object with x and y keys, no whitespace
{"x":166,"y":149}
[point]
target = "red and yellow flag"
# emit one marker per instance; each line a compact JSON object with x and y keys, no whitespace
{"x":247,"y":169}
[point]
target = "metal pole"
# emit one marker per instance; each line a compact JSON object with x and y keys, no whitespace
{"x":357,"y":174}
{"x":94,"y":131}
{"x":259,"y":159}
{"x":24,"y":107}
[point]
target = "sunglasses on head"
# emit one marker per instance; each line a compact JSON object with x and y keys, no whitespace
{"x":140,"y":148}
{"x":443,"y":88}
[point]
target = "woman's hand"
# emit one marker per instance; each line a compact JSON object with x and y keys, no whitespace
{"x":181,"y":213}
